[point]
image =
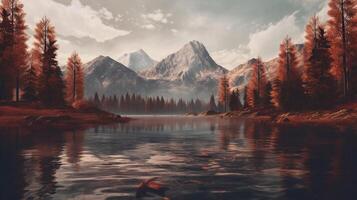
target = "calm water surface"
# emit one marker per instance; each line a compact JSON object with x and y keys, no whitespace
{"x":196,"y":158}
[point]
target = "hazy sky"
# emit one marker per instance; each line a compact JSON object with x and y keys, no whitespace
{"x":232,"y":30}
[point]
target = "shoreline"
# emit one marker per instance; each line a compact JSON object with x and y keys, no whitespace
{"x":342,"y":115}
{"x":39,"y":117}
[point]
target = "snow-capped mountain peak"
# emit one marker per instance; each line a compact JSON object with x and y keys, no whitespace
{"x":137,"y":61}
{"x":190,"y":64}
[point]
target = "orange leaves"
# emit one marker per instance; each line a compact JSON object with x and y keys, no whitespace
{"x":74,"y":79}
{"x":257,"y":85}
{"x":287,"y":93}
{"x":224,"y":92}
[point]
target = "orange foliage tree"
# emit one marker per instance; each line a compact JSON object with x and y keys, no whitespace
{"x":6,"y":72}
{"x":15,"y":48}
{"x":342,"y":31}
{"x":224,"y":93}
{"x":256,"y":85}
{"x":287,"y":92}
{"x":74,"y":79}
{"x":51,"y":85}
{"x":318,"y":82}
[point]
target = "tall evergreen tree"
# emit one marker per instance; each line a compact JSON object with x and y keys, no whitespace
{"x":318,"y":82}
{"x":234,"y":101}
{"x":17,"y":57}
{"x":6,"y":71}
{"x":256,"y":85}
{"x":30,"y":83}
{"x":341,"y":33}
{"x":287,"y":93}
{"x":51,"y":84}
{"x":74,"y":79}
{"x":212,"y":104}
{"x":224,"y":92}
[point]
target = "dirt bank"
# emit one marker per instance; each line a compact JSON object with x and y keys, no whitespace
{"x":37,"y":116}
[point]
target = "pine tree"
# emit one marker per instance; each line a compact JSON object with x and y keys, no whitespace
{"x":51,"y":84}
{"x":224,"y":92}
{"x":18,"y":48}
{"x":96,"y":100}
{"x":318,"y":82}
{"x":267,"y":95}
{"x":6,"y":70}
{"x":245,"y":98}
{"x":234,"y":101}
{"x":212,"y":104}
{"x":30,"y":84}
{"x":341,"y":33}
{"x":256,"y":85}
{"x":74,"y":79}
{"x":287,"y":93}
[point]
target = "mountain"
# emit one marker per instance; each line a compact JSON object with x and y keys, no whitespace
{"x":107,"y":76}
{"x":240,"y":75}
{"x":190,"y":64}
{"x":188,"y":73}
{"x":137,"y":61}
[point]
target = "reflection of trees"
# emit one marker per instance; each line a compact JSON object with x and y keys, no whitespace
{"x":29,"y":161}
{"x":48,"y":150}
{"x":12,"y":175}
{"x":320,"y":157}
{"x":257,"y":136}
{"x":74,"y":146}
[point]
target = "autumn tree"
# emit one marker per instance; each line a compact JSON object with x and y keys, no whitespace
{"x":51,"y":84}
{"x":16,"y":48}
{"x":256,"y":85}
{"x":30,"y":90}
{"x":245,"y":97}
{"x":287,"y":93}
{"x":342,"y":34}
{"x":224,"y":92}
{"x":318,"y":82}
{"x":6,"y":71}
{"x":74,"y":79}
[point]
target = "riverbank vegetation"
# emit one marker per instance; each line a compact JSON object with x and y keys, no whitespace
{"x":33,"y":90}
{"x":322,"y":85}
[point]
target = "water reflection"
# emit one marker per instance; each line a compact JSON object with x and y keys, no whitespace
{"x":197,"y":158}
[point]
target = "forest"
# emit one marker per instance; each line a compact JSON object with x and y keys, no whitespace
{"x":326,"y":76}
{"x":34,"y":75}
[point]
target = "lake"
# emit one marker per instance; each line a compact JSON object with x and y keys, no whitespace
{"x":197,"y":158}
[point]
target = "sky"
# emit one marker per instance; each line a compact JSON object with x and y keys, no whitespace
{"x":233,"y":31}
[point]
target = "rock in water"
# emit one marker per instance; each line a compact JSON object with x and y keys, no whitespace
{"x":151,"y":188}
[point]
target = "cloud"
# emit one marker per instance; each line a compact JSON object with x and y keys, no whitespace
{"x":148,"y":26}
{"x":323,"y":12}
{"x":265,"y":43}
{"x":74,"y":19}
{"x":106,"y":14}
{"x":157,"y":16}
{"x":262,"y":43}
{"x":231,"y":58}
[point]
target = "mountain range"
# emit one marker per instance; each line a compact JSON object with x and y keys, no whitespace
{"x":188,"y":73}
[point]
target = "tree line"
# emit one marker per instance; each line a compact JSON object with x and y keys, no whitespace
{"x":34,"y":75}
{"x":326,"y":76}
{"x":136,"y":104}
